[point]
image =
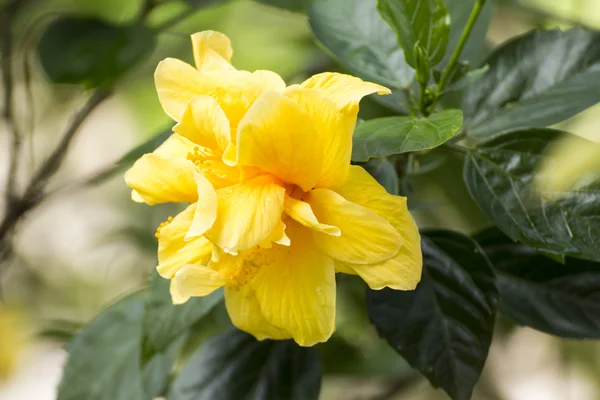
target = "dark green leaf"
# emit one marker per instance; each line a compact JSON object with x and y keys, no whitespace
{"x":158,"y":370}
{"x":104,"y":357}
{"x":500,"y":177}
{"x":384,"y":172}
{"x":354,"y":33}
{"x":418,"y":21}
{"x":535,"y":80}
{"x":91,"y":52}
{"x":291,"y":5}
{"x":559,"y":299}
{"x":474,"y":49}
{"x":382,"y":137}
{"x":164,"y":322}
{"x":463,"y":79}
{"x":234,"y":365}
{"x":444,"y":327}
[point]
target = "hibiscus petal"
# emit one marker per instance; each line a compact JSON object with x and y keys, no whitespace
{"x":366,"y":237}
{"x":176,"y":146}
{"x":206,"y":208}
{"x":247,"y":213}
{"x":174,"y":252}
{"x":335,"y":127}
{"x":295,"y":288}
{"x":198,"y":280}
{"x":204,"y":122}
{"x":244,"y":311}
{"x":278,"y":136}
{"x":212,"y":51}
{"x":161,"y":180}
{"x":403,"y":271}
{"x":176,"y":297}
{"x":177,"y":83}
{"x":303,"y":213}
{"x":344,"y":90}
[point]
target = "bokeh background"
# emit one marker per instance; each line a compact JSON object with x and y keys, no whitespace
{"x":87,"y":245}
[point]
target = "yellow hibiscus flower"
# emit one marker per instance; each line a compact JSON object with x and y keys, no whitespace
{"x":276,"y":208}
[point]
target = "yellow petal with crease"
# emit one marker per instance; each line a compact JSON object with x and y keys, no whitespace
{"x":247,"y":213}
{"x":278,"y":136}
{"x":174,"y":252}
{"x":344,"y":90}
{"x":176,"y":297}
{"x":160,"y":180}
{"x":301,"y":212}
{"x":278,"y":236}
{"x":198,"y":280}
{"x":295,"y":287}
{"x":177,"y":83}
{"x":335,"y":129}
{"x":212,"y":51}
{"x":176,"y":146}
{"x":206,"y":208}
{"x":403,"y":271}
{"x":204,"y":122}
{"x":245,"y":313}
{"x":366,"y":237}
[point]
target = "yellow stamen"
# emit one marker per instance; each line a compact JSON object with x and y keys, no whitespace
{"x":162,"y":225}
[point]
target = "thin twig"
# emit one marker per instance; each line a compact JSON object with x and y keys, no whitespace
{"x":55,"y":160}
{"x":8,"y":112}
{"x":35,"y":191}
{"x":399,"y":386}
{"x":175,"y":20}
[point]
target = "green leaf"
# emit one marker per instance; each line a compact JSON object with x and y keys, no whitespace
{"x":91,"y":52}
{"x":234,"y":365}
{"x":535,"y":80}
{"x":104,"y":357}
{"x":559,"y":299}
{"x":290,"y":5}
{"x":444,"y":327}
{"x":356,"y":35}
{"x":382,"y":137}
{"x":164,"y":322}
{"x":418,"y":21}
{"x":500,"y":175}
{"x":474,"y":49}
{"x":384,"y":172}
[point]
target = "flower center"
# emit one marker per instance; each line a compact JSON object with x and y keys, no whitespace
{"x":239,"y":270}
{"x":211,"y":166}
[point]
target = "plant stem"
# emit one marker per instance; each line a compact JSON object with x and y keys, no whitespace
{"x":458,"y":49}
{"x":456,"y":147}
{"x":422,"y":108}
{"x":410,"y":100}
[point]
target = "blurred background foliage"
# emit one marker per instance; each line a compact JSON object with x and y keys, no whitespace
{"x":88,"y":244}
